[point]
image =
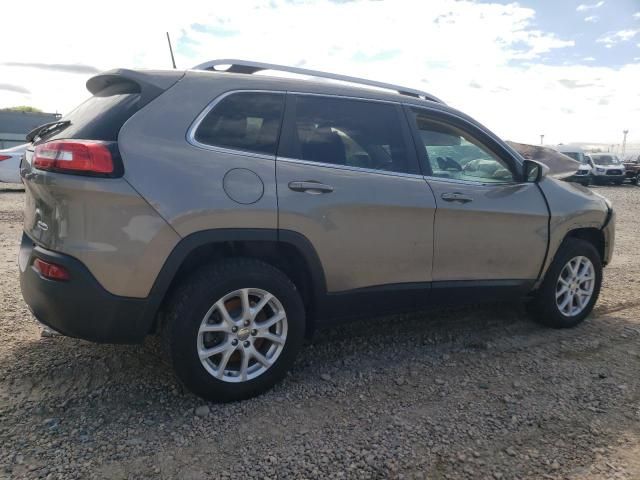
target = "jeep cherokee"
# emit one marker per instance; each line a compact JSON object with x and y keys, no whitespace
{"x":235,"y":213}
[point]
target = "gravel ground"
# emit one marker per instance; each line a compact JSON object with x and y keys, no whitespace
{"x":459,"y":393}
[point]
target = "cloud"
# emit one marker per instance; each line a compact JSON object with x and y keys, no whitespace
{"x":589,"y":59}
{"x":636,"y":15}
{"x":573,"y":83}
{"x":500,"y":46}
{"x":584,"y":7}
{"x":612,"y":38}
{"x":592,"y":19}
{"x":56,"y":67}
{"x":14,"y":88}
{"x":474,"y":84}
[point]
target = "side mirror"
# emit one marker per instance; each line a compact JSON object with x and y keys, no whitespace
{"x":534,"y":171}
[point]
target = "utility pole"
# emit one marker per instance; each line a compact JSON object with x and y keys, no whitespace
{"x":173,"y":60}
{"x":542,"y":139}
{"x":624,"y":142}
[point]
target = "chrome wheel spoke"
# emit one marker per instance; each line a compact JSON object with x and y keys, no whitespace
{"x":271,"y":337}
{"x":244,"y":366}
{"x":261,"y":304}
{"x":278,"y":317}
{"x":246,"y":306}
{"x":224,"y":313}
{"x":260,"y":357}
{"x":562,"y":291}
{"x":214,"y":327}
{"x":224,"y":361}
{"x":205,"y":353}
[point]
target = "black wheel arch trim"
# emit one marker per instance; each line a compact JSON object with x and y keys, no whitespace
{"x":202,"y":238}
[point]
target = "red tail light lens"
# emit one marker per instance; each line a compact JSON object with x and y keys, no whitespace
{"x":50,"y":270}
{"x":4,"y":157}
{"x":81,"y":156}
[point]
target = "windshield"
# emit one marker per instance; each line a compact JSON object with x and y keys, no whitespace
{"x":605,"y":159}
{"x":576,"y":156}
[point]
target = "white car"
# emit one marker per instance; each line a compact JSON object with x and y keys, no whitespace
{"x":10,"y":163}
{"x":583,"y":175}
{"x":606,"y":168}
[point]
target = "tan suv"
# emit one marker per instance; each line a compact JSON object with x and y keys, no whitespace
{"x":236,"y":213}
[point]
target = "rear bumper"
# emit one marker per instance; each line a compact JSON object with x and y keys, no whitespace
{"x":79,"y":307}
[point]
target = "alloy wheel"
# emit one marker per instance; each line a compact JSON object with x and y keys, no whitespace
{"x":575,"y":286}
{"x":242,"y":335}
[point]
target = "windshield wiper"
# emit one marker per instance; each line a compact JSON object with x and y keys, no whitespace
{"x":47,"y":128}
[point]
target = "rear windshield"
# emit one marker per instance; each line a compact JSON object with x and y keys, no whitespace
{"x":101,"y":116}
{"x":576,"y":156}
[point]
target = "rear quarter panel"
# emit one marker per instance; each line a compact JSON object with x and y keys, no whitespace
{"x":183,"y":182}
{"x":102,"y":222}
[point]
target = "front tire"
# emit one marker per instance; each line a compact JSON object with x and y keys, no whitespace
{"x":233,"y":329}
{"x":571,"y":286}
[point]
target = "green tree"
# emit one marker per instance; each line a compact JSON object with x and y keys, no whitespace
{"x":22,"y":108}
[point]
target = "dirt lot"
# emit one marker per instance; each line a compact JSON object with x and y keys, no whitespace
{"x":462,"y":393}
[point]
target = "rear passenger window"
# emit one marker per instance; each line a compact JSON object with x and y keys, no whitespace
{"x":349,"y":132}
{"x":247,"y":121}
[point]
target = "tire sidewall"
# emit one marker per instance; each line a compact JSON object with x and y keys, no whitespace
{"x":186,"y":321}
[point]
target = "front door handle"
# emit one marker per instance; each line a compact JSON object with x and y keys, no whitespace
{"x":314,"y":188}
{"x":456,"y":197}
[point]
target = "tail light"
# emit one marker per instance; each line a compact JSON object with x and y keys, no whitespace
{"x":79,"y":156}
{"x":4,"y":157}
{"x":50,"y":270}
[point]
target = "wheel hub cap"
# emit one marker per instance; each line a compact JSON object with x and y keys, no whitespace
{"x":244,"y":333}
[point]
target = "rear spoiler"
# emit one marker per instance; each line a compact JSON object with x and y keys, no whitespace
{"x":149,"y":83}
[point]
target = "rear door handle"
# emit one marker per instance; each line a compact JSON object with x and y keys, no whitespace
{"x":456,"y":197}
{"x":314,"y":188}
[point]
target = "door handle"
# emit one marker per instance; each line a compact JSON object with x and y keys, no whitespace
{"x":314,"y":188}
{"x":456,"y":197}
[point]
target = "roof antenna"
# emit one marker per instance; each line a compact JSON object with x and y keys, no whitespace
{"x":173,"y":60}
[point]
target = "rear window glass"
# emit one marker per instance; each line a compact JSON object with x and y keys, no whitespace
{"x":247,"y":121}
{"x":349,"y":132}
{"x":101,"y":117}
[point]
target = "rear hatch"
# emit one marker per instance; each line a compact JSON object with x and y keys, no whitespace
{"x":51,"y":188}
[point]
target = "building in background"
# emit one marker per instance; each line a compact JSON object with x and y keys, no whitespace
{"x":14,"y":125}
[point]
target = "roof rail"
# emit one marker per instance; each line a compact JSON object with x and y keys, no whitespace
{"x":249,"y":67}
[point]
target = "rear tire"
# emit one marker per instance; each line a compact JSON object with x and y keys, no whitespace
{"x":562,"y":301}
{"x":226,"y":308}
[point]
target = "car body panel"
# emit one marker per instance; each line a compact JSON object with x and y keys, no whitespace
{"x":375,"y":228}
{"x":147,"y":139}
{"x":575,"y":207}
{"x":500,"y":234}
{"x":102,"y":222}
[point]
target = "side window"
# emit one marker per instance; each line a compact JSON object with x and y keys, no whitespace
{"x":453,"y":153}
{"x":355,"y":133}
{"x":245,"y":121}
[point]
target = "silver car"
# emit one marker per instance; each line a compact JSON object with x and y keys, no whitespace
{"x":234,"y":214}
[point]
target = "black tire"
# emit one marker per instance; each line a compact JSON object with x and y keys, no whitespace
{"x":619,"y":182}
{"x":544,"y":307}
{"x":636,"y":180}
{"x":189,"y":304}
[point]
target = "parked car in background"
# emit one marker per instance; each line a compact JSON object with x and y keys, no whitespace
{"x":632,"y":170}
{"x":234,"y":214}
{"x":607,"y":168}
{"x":10,"y":163}
{"x":583,"y":174}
